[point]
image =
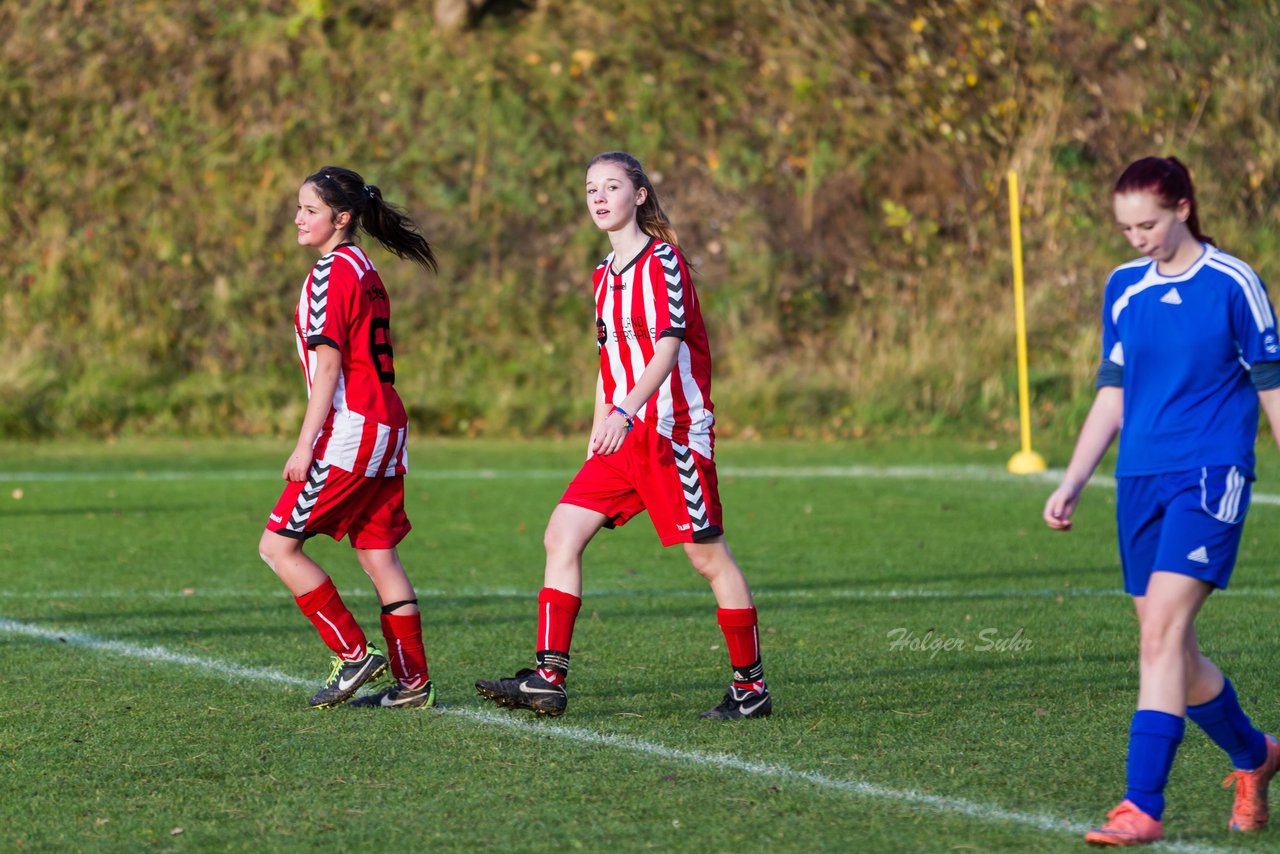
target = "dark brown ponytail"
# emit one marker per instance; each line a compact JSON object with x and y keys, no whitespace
{"x":345,"y":191}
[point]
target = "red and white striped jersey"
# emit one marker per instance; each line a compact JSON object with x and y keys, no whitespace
{"x":345,"y":306}
{"x":653,"y":298}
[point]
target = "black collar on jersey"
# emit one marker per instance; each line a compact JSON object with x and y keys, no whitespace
{"x":633,"y":261}
{"x":339,"y":246}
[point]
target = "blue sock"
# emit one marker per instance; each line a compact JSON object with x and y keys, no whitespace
{"x":1153,"y":741}
{"x":1229,"y":727}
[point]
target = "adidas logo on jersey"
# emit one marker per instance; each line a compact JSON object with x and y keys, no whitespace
{"x":1200,"y":555}
{"x":1172,"y":297}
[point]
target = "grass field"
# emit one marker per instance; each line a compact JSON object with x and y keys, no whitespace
{"x":156,"y":674}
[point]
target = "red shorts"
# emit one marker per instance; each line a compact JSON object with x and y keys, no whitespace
{"x":677,"y":485}
{"x":338,"y":502}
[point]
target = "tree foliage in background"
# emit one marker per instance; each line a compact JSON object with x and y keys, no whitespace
{"x":835,"y":172}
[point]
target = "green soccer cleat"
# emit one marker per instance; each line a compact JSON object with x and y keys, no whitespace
{"x":347,"y":676}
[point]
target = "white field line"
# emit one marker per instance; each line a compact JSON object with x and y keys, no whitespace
{"x":934,"y":803}
{"x":956,"y":472}
{"x":766,"y":593}
{"x":142,"y":476}
{"x":953,"y":472}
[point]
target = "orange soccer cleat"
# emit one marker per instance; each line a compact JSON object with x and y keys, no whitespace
{"x":1126,"y":825}
{"x":1249,"y":812}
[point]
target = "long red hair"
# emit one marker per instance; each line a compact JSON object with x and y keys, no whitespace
{"x":1168,"y":180}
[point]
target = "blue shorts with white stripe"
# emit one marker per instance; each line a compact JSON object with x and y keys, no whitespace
{"x":1186,"y":522}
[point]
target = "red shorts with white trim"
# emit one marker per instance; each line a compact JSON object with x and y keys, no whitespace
{"x":676,"y":484}
{"x":340,"y":503}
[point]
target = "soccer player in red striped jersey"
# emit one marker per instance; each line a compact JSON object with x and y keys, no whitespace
{"x":651,"y":445}
{"x":346,"y":473}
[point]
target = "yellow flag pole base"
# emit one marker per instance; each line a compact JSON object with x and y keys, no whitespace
{"x":1026,"y":462}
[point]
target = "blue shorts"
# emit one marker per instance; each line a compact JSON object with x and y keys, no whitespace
{"x":1188,"y":522}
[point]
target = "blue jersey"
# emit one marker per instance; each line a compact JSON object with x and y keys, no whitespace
{"x":1185,"y":345}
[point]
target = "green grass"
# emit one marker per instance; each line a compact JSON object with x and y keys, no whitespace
{"x":152,"y":548}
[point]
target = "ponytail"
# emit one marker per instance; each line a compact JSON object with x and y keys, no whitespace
{"x":651,"y":218}
{"x":1168,"y":180}
{"x":345,"y":191}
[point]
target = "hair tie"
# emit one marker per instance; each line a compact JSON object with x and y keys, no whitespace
{"x":368,"y":191}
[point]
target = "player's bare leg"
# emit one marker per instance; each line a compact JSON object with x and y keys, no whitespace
{"x":1169,"y":674}
{"x":714,"y":562}
{"x":748,"y":696}
{"x":286,"y":558}
{"x":401,"y":623}
{"x":1170,"y":671}
{"x":542,"y":690}
{"x":569,"y":530}
{"x":1216,"y":710}
{"x":355,"y":661}
{"x":388,"y":576}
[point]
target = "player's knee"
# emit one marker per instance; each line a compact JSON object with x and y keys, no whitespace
{"x":380,"y":563}
{"x":562,"y":540}
{"x":1162,"y":637}
{"x":554,"y":542}
{"x":273,"y":548}
{"x":707,"y":561}
{"x":701,"y":565}
{"x":266,"y":548}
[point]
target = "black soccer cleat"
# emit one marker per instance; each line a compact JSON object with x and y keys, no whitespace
{"x":347,"y":676}
{"x":739,"y":703}
{"x":525,"y":690}
{"x":398,"y":697}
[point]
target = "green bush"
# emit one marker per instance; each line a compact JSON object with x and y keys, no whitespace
{"x":836,"y":173}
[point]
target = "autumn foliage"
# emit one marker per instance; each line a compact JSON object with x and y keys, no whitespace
{"x":835,"y":171}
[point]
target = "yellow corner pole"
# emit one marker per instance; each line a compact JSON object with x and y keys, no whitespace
{"x":1026,"y":461}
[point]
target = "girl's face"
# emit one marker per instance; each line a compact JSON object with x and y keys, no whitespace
{"x":1152,"y":229}
{"x":612,"y":199}
{"x":317,"y":226}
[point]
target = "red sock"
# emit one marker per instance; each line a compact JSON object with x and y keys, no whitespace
{"x":338,"y":628}
{"x":557,"y":611}
{"x":407,"y":657}
{"x":742,"y":637}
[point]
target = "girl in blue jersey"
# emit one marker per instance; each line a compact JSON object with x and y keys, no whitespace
{"x":1189,"y":348}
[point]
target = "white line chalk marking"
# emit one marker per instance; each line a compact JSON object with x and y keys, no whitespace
{"x":961,"y":472}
